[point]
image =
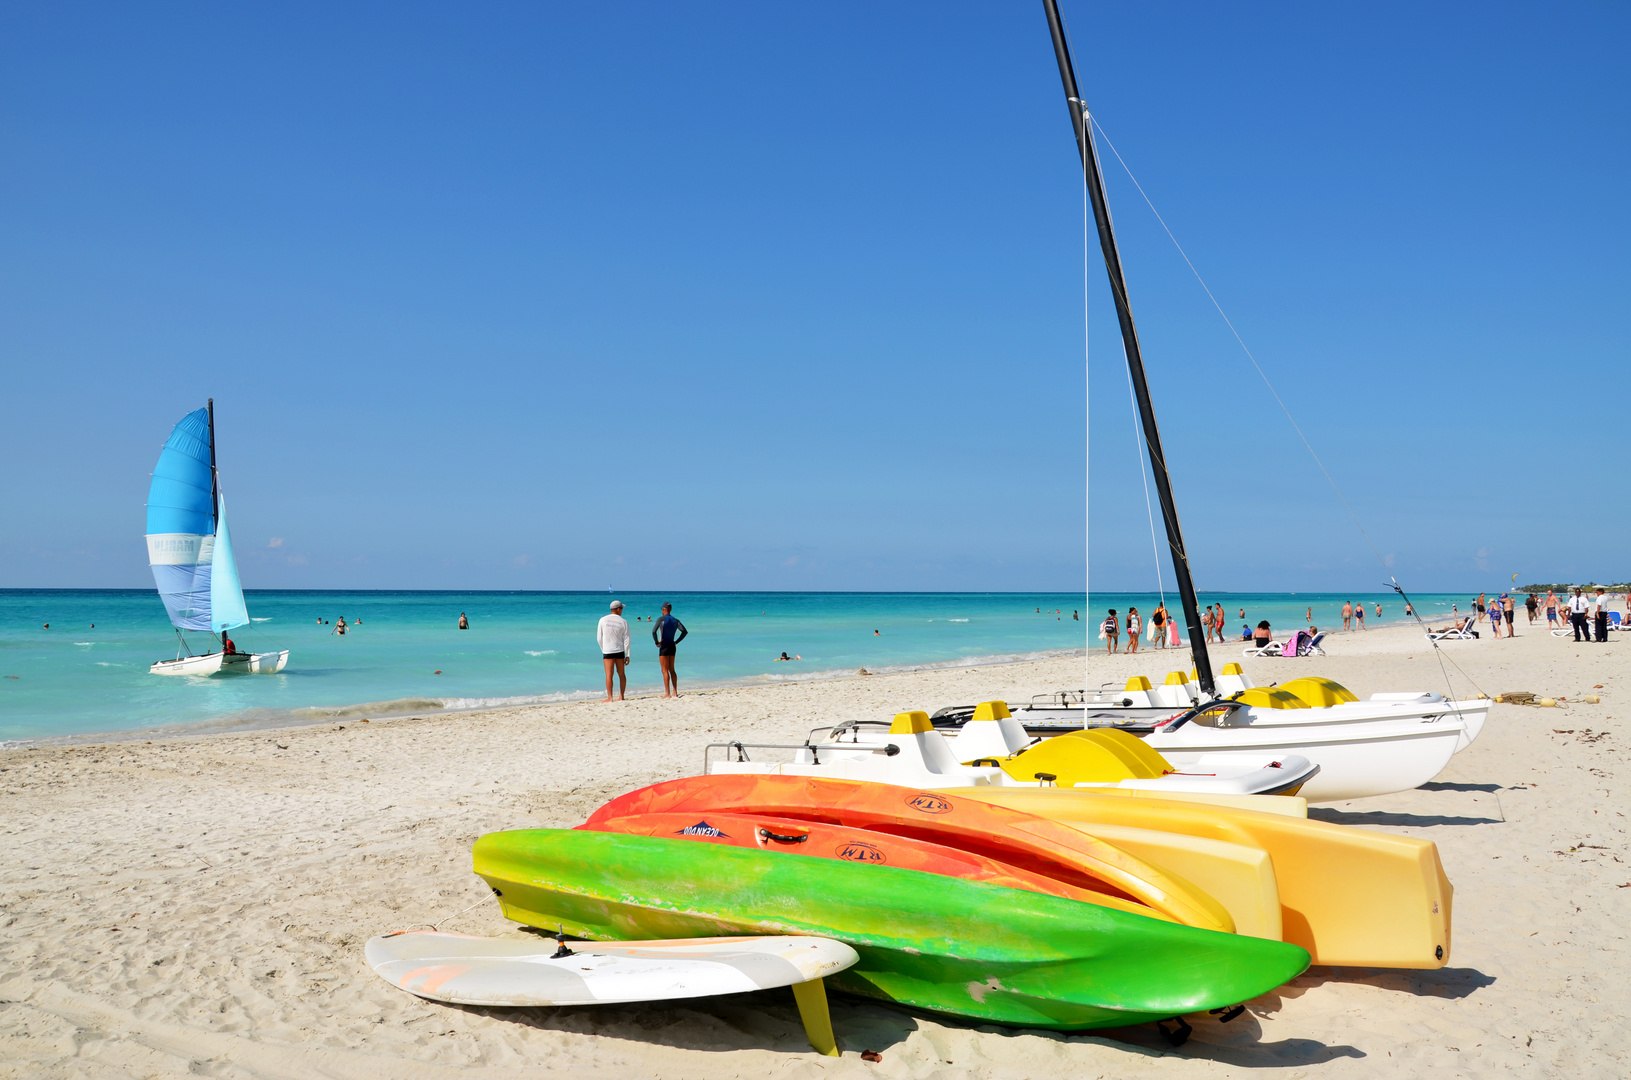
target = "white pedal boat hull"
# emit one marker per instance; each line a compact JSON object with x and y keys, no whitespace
{"x":1356,"y":759}
{"x":930,"y":760}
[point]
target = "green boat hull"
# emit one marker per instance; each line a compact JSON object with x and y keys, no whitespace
{"x":967,"y":948}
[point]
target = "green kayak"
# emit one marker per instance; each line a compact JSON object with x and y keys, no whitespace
{"x":968,"y":948}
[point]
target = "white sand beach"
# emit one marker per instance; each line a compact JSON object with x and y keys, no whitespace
{"x":198,"y":906}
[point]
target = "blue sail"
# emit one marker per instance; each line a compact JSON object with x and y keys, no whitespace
{"x":227,"y":608}
{"x":181,"y":523}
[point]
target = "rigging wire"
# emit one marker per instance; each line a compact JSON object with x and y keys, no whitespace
{"x":1087,"y":445}
{"x":1143,"y":474}
{"x":1393,"y":582}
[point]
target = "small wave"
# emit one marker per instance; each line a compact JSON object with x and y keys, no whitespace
{"x":107,"y":663}
{"x":84,"y":643}
{"x":957,"y":620}
{"x":540,"y":652}
{"x":512,"y":702}
{"x":372,"y":708}
{"x":266,"y":619}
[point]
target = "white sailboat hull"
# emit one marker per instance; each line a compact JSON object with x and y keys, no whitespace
{"x":189,"y":665}
{"x":265,"y":663}
{"x":268,"y":663}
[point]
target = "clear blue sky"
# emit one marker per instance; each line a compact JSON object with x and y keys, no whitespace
{"x":789,"y":296}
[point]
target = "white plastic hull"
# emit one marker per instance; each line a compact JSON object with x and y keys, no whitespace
{"x":266,"y":663}
{"x":1356,"y":759}
{"x":188,"y":665}
{"x":217,"y":664}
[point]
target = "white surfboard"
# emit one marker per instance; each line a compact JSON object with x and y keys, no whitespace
{"x":464,"y":970}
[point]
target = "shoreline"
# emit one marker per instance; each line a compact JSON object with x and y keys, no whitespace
{"x":206,"y":898}
{"x":405,"y":708}
{"x":399,"y":708}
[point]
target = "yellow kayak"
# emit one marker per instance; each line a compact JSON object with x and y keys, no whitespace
{"x":1238,"y":876}
{"x":1349,"y":896}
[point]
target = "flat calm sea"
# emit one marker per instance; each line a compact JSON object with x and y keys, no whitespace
{"x":88,"y":672}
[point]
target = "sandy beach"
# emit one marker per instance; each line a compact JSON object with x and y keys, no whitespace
{"x":198,"y":906}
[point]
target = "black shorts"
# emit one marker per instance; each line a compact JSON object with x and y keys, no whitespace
{"x":1509,"y":616}
{"x":665,"y":650}
{"x":615,"y":655}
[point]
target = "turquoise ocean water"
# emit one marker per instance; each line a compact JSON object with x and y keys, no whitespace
{"x":88,"y":672}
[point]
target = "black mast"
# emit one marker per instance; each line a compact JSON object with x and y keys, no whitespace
{"x":215,"y":486}
{"x":1129,"y":339}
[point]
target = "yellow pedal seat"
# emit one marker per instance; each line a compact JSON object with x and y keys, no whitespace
{"x":1317,"y":692}
{"x":1096,"y":756}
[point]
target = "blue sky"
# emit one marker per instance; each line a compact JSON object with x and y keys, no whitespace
{"x":776,"y":296}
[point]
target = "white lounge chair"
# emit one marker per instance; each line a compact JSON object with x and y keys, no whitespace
{"x":1271,"y":648}
{"x":1463,"y":632}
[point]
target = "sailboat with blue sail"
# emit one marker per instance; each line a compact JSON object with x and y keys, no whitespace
{"x":190,"y":551}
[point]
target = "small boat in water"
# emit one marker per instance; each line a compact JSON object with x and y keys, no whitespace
{"x":190,"y":551}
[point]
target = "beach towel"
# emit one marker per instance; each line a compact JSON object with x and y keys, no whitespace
{"x":1300,"y":643}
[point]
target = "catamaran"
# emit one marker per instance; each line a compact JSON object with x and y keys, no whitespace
{"x":190,"y":551}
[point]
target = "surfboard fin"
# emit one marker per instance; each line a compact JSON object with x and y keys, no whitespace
{"x":812,"y":1002}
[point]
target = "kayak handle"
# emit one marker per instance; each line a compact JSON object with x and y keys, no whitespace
{"x":768,"y":835}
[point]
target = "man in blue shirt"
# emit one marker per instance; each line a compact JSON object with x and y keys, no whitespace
{"x":667,"y":633}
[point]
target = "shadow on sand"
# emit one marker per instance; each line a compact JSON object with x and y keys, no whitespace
{"x":1383,"y":817}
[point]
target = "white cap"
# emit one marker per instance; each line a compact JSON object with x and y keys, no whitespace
{"x":616,"y":604}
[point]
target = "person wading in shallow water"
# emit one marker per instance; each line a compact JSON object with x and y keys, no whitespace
{"x":666,"y":633}
{"x":464,"y":623}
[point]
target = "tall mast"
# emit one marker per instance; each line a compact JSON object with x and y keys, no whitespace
{"x":215,"y":483}
{"x":1129,"y":339}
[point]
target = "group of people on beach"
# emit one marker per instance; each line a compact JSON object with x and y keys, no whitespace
{"x":1588,"y":612}
{"x":612,"y":634}
{"x":1353,"y":615}
{"x":1110,"y":629}
{"x":1584,"y":612}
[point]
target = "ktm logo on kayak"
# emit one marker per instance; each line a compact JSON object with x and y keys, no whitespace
{"x":929,"y":804}
{"x":858,"y":852}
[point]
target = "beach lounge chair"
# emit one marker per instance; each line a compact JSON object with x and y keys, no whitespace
{"x":1614,"y":621}
{"x":1463,"y":631}
{"x":1268,"y":648}
{"x":1306,"y":644}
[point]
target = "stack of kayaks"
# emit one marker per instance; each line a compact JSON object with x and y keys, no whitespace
{"x":1055,"y":907}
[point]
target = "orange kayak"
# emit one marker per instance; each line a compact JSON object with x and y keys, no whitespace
{"x":767,"y":832}
{"x":1028,"y":842}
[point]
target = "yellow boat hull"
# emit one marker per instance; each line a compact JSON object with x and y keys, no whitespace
{"x":1349,"y":896}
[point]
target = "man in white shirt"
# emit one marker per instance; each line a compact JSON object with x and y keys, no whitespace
{"x":613,"y":635}
{"x":1601,"y":614}
{"x":1578,"y":606}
